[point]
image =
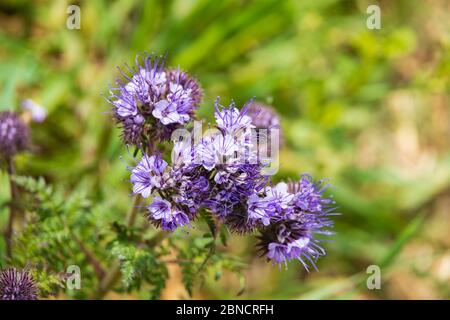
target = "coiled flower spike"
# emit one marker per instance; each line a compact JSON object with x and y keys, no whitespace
{"x":17,"y":285}
{"x":149,"y":101}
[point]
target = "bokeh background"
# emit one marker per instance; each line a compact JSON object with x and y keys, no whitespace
{"x":367,"y":108}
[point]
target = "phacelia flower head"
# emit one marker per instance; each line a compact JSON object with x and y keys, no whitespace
{"x":14,"y":134}
{"x":301,"y":216}
{"x":150,"y":101}
{"x":184,"y":91}
{"x":171,"y":188}
{"x":17,"y":285}
{"x":308,"y":194}
{"x":263,"y":116}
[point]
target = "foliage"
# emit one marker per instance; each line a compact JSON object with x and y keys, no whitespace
{"x":50,"y":242}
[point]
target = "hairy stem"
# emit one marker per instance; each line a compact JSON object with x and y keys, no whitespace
{"x":132,"y":214}
{"x":90,"y":257}
{"x":12,"y":208}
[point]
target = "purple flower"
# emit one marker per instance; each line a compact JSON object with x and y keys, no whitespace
{"x":231,"y":119}
{"x":187,"y":87}
{"x":280,"y":253}
{"x":14,"y":134}
{"x":300,"y":212}
{"x":272,"y":205}
{"x":221,"y":177}
{"x":281,"y":199}
{"x":163,"y":214}
{"x":308,"y":194}
{"x":266,"y":121}
{"x":237,"y":220}
{"x":217,"y":175}
{"x":182,"y":153}
{"x":150,"y":102}
{"x":231,"y":191}
{"x":225,"y":157}
{"x":277,"y":252}
{"x":17,"y":285}
{"x":211,"y":174}
{"x":148,"y":79}
{"x":132,"y":128}
{"x":180,"y":189}
{"x":263,"y":116}
{"x":182,"y":97}
{"x":191,"y":190}
{"x":148,"y":174}
{"x":260,"y":209}
{"x":217,"y":149}
{"x":287,"y":240}
{"x":126,"y":108}
{"x":167,"y":112}
{"x":38,"y":112}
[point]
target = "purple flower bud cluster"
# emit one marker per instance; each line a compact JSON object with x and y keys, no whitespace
{"x":14,"y":134}
{"x":17,"y":285}
{"x":294,"y":214}
{"x":150,"y":101}
{"x":263,"y":116}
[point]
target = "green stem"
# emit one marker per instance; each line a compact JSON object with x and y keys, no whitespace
{"x":113,"y":275}
{"x":132,"y":214}
{"x":12,"y":208}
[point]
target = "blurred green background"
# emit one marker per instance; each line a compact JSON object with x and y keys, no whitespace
{"x":367,"y":108}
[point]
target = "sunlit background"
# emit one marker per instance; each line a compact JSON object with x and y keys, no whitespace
{"x":368,"y":109}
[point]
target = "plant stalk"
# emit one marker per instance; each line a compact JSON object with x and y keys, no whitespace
{"x":90,"y":257}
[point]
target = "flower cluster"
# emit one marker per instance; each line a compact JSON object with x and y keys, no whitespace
{"x":17,"y":285}
{"x":293,"y":214}
{"x":224,"y":172}
{"x":215,"y":173}
{"x":151,"y":101}
{"x":14,"y":134}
